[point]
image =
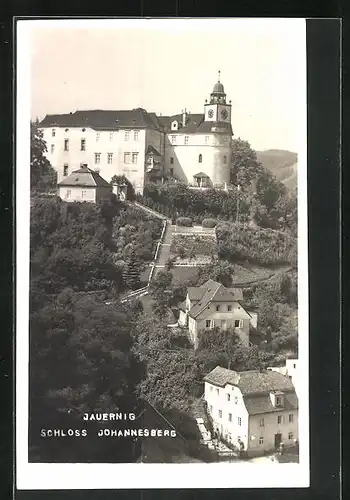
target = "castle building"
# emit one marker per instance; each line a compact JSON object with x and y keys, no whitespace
{"x":191,"y":148}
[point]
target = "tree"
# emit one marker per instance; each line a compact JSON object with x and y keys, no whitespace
{"x":268,"y":189}
{"x":43,"y":177}
{"x":245,"y":166}
{"x":131,"y":274}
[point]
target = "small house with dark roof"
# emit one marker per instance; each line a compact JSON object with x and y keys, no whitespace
{"x":145,"y":147}
{"x":213,"y":305}
{"x":253,"y":411}
{"x":84,"y":184}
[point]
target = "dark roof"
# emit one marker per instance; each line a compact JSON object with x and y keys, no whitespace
{"x":201,"y":174}
{"x":262,"y":404}
{"x":84,"y":177}
{"x":211,"y":291}
{"x":192,"y":123}
{"x":215,"y":127}
{"x":250,"y":382}
{"x":152,"y":150}
{"x":103,"y":119}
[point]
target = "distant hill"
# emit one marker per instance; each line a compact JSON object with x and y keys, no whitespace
{"x":283,"y":164}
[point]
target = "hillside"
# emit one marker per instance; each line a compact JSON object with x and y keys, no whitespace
{"x":283,"y":164}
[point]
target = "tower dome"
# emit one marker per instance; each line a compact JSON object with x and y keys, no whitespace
{"x":218,"y":95}
{"x":218,"y":88}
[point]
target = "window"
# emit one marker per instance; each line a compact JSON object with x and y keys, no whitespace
{"x":229,"y":308}
{"x":136,"y":135}
{"x":97,"y":158}
{"x":220,"y":413}
{"x":225,"y":159}
{"x":98,"y":135}
{"x":236,"y":400}
{"x":171,"y":160}
{"x":52,"y":148}
{"x":291,"y":417}
{"x":111,"y":136}
{"x":127,"y":135}
{"x":83,"y":144}
{"x":290,"y":435}
{"x":83,"y":193}
{"x":230,"y":417}
{"x":294,"y":365}
{"x":66,"y":144}
{"x":218,"y":308}
{"x":65,"y":169}
{"x":238,"y":323}
{"x":109,"y":158}
{"x":53,"y":132}
{"x":173,"y":139}
{"x":67,"y":130}
{"x":239,"y":421}
{"x":135,"y":157}
{"x":217,"y":392}
{"x":280,"y":419}
{"x":228,"y":396}
{"x":171,"y":172}
{"x":186,"y":140}
{"x":208,"y":323}
{"x":200,"y":158}
{"x":261,"y":440}
{"x":206,"y":139}
{"x":211,"y":408}
{"x":127,"y":157}
{"x":68,"y":193}
{"x":278,"y":400}
{"x":261,"y":423}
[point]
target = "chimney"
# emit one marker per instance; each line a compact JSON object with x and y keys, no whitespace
{"x":184,"y":118}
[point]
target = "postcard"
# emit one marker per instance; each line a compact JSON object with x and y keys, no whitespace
{"x":162,"y":276}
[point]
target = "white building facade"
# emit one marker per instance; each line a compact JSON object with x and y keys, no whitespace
{"x":190,"y":148}
{"x":252,"y":411}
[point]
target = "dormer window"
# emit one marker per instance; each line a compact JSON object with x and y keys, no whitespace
{"x":174,"y":125}
{"x":277,"y":399}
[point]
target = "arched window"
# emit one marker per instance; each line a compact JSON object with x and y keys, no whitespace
{"x":225,"y":159}
{"x":200,"y":158}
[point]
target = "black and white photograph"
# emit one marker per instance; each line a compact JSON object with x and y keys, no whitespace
{"x":162,"y":260}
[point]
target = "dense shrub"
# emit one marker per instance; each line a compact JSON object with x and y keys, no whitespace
{"x":184,"y":221}
{"x":209,"y":223}
{"x":238,"y":242}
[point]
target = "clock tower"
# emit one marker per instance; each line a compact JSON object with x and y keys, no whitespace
{"x":217,"y":110}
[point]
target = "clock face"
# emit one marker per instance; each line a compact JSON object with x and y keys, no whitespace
{"x":210,"y":113}
{"x":224,"y":114}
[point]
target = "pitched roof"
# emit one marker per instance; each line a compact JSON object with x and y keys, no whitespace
{"x":263,"y":404}
{"x":193,"y":121}
{"x":211,"y":291}
{"x":221,"y":376}
{"x":201,"y":174}
{"x":215,"y":127}
{"x":152,"y":150}
{"x":250,"y":382}
{"x":103,"y":119}
{"x":84,"y":177}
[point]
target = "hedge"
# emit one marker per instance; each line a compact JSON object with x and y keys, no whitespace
{"x":209,"y":223}
{"x":184,"y":221}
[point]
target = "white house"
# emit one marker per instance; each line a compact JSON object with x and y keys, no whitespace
{"x":84,"y":184}
{"x":252,"y":410}
{"x":213,"y":305}
{"x":192,"y":148}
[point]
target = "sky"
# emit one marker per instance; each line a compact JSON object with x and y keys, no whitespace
{"x":167,"y":65}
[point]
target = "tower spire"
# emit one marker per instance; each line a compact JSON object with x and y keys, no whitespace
{"x":219,"y":72}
